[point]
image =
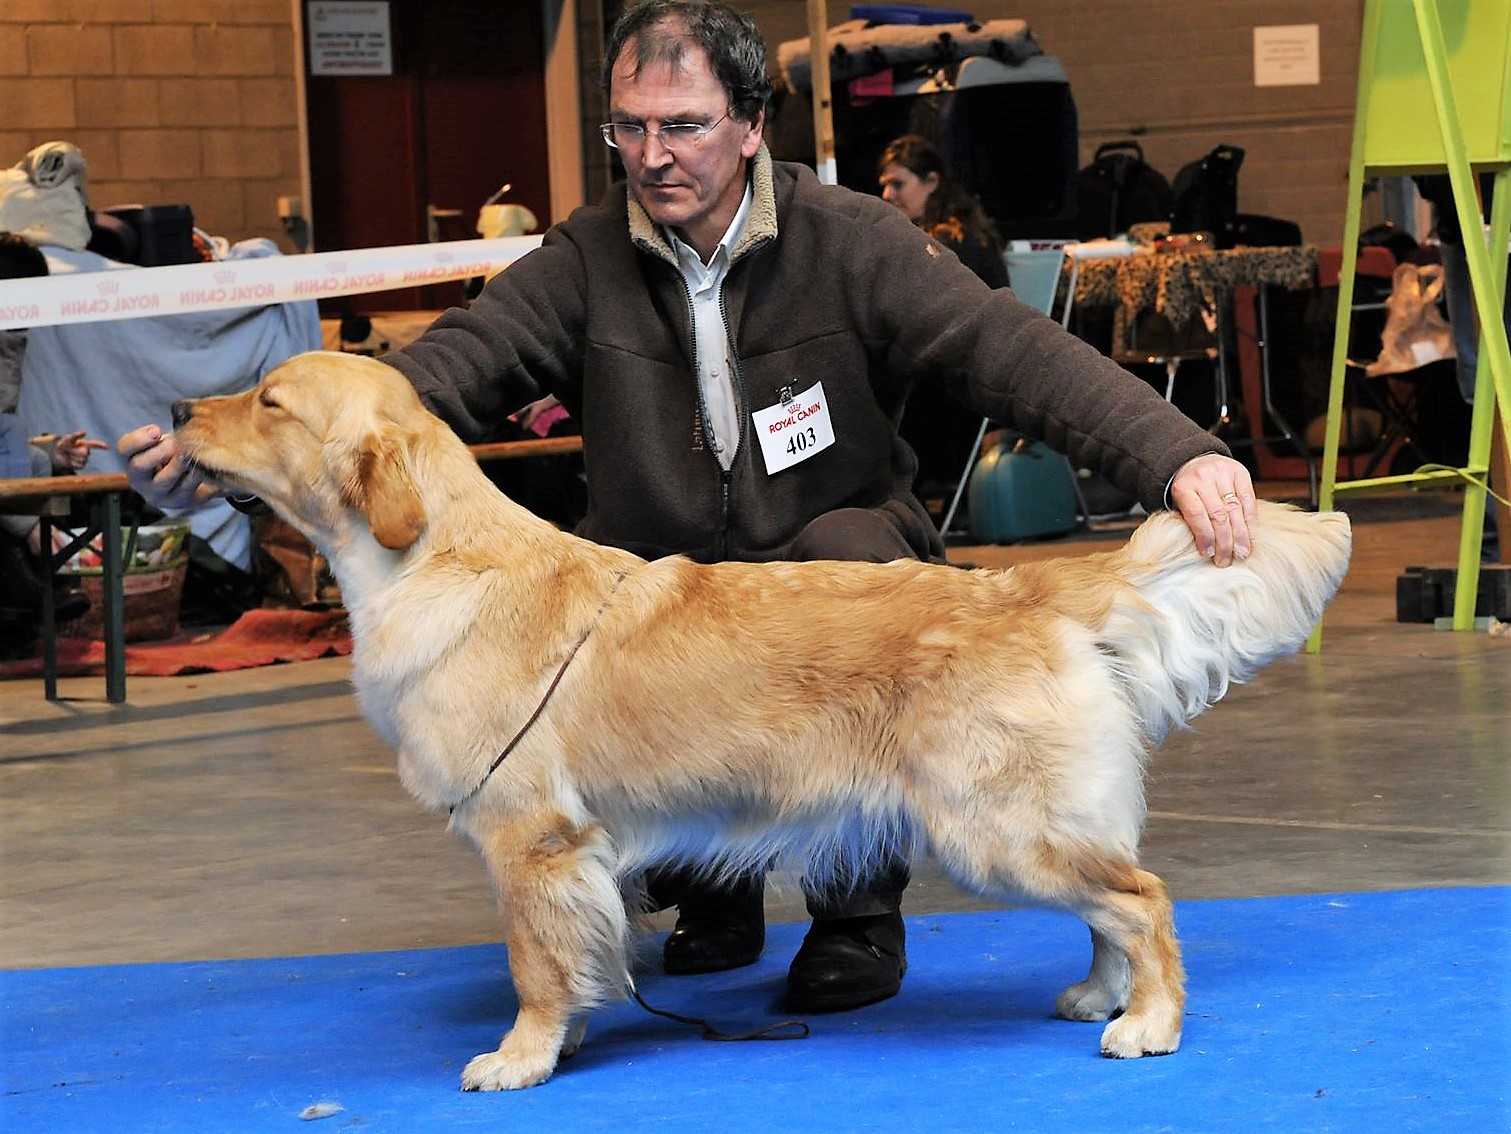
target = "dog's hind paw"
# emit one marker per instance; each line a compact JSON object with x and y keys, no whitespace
{"x":1091,"y":1000}
{"x":495,"y":1071}
{"x":1131,"y":1037}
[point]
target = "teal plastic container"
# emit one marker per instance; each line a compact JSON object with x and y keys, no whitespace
{"x":1021,"y":490}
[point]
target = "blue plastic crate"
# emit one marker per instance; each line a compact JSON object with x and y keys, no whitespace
{"x":908,"y":14}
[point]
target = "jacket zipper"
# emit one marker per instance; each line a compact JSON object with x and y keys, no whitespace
{"x":705,"y":422}
{"x":726,"y":476}
{"x":742,"y":402}
{"x":742,"y":398}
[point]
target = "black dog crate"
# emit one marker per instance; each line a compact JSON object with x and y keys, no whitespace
{"x":1008,"y":131}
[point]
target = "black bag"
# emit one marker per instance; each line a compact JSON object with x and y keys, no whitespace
{"x":1206,"y":196}
{"x":1013,"y":144}
{"x":1257,"y":230}
{"x":1119,"y":188}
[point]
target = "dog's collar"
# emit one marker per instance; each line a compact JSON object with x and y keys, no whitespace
{"x":541,"y":707}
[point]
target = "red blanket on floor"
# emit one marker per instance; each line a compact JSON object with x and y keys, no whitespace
{"x":258,"y":637}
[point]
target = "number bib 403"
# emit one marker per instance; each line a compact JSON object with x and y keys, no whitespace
{"x":795,"y":429}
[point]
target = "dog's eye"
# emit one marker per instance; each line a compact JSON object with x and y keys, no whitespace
{"x":266,"y":399}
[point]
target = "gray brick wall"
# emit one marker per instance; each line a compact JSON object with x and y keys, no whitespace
{"x":171,"y":101}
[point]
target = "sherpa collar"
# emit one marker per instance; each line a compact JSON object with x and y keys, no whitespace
{"x":760,"y":226}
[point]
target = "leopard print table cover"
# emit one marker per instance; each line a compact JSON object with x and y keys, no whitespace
{"x":1182,"y":284}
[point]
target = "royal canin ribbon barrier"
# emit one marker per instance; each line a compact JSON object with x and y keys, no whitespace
{"x":88,"y":297}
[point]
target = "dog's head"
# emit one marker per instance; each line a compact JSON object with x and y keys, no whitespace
{"x":322,"y":438}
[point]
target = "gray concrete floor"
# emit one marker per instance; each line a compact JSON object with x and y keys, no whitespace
{"x":255,"y":814}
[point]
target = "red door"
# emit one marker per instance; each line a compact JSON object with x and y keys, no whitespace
{"x":462,"y":114}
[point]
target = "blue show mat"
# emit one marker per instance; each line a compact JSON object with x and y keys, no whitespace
{"x":1378,"y":1012}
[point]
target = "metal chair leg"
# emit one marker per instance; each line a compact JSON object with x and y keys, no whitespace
{"x":112,"y":580}
{"x":49,"y":611}
{"x":965,"y":476}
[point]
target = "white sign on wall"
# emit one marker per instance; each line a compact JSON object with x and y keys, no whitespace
{"x":1287,"y":55}
{"x":350,"y":37}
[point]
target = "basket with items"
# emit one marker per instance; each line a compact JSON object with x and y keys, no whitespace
{"x":157,"y":559}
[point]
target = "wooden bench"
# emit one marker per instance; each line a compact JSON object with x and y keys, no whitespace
{"x":47,"y":498}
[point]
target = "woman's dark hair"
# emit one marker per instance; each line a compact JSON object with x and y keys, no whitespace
{"x":663,"y":30}
{"x":949,"y":209}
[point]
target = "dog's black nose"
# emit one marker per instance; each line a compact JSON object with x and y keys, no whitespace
{"x":181,"y":411}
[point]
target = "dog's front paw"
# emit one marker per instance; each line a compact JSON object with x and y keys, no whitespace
{"x":498,"y":1071}
{"x":1092,"y":1000}
{"x":1130,"y":1037}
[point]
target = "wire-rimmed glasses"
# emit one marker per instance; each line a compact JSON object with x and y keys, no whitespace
{"x":673,"y":135}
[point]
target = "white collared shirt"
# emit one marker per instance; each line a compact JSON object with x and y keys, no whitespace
{"x":715,"y":362}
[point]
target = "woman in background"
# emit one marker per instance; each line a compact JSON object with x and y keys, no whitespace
{"x":24,"y":568}
{"x":912,"y":176}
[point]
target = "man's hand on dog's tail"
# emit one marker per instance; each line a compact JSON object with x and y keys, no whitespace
{"x":1216,"y":499}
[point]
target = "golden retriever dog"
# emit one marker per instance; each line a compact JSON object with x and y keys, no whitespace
{"x":583,"y":713}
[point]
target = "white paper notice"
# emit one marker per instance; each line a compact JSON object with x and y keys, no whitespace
{"x":1287,"y":55}
{"x":350,"y":37}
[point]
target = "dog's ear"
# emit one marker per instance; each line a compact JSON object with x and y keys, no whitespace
{"x":378,"y":485}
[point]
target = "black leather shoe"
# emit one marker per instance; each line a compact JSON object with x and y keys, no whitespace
{"x":69,"y":604}
{"x":717,"y":930}
{"x":848,"y":963}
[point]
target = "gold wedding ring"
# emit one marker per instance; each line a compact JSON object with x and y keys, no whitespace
{"x":1229,"y":497}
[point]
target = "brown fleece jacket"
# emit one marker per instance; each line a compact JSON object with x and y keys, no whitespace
{"x":826,"y":285}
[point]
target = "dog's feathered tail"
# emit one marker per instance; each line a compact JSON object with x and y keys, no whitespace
{"x":1184,"y":629}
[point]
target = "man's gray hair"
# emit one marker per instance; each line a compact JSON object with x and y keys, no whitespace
{"x":662,"y":31}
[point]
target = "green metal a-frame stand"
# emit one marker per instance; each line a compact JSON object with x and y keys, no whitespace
{"x":1435,"y":96}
